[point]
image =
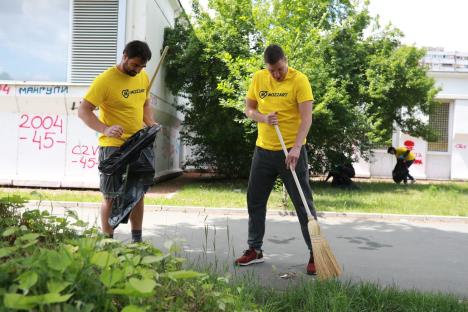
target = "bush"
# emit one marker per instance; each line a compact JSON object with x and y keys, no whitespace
{"x":57,"y":263}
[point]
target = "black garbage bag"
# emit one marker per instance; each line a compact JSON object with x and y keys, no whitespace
{"x":400,"y":172}
{"x":129,"y":152}
{"x":134,"y":163}
{"x":342,"y":175}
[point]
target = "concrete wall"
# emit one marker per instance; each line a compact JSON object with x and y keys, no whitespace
{"x":46,"y":144}
{"x":146,"y":20}
{"x":459,"y":160}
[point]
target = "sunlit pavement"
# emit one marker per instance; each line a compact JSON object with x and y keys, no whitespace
{"x":426,"y":255}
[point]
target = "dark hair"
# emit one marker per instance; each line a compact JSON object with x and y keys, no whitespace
{"x":139,"y":49}
{"x":391,"y":149}
{"x":273,"y":53}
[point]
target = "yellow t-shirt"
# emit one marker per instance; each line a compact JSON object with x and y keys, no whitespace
{"x":120,"y":99}
{"x":282,"y":97}
{"x":401,"y":150}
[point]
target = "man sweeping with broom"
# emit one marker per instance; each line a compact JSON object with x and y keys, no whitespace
{"x":278,"y":95}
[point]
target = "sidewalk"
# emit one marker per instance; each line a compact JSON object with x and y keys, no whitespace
{"x":427,"y":255}
{"x":270,"y":212}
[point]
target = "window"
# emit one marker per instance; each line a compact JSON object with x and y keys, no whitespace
{"x":439,"y":122}
{"x":94,"y":42}
{"x":34,"y":40}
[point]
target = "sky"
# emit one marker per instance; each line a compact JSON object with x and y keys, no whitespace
{"x":34,"y":39}
{"x":425,"y":23}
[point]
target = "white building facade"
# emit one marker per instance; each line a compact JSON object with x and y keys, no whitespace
{"x":47,"y":145}
{"x":447,"y":158}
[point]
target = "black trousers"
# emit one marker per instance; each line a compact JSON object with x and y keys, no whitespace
{"x":408,"y":164}
{"x":266,"y":167}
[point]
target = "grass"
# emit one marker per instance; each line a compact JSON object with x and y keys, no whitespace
{"x":448,"y":199}
{"x":352,"y":297}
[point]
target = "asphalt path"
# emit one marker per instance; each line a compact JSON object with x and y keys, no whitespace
{"x":409,"y":253}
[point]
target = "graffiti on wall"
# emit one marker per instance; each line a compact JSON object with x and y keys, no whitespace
{"x":49,"y":142}
{"x":4,"y":89}
{"x":45,"y":132}
{"x":43,"y":90}
{"x":170,"y":147}
{"x":409,"y":144}
{"x":85,"y":156}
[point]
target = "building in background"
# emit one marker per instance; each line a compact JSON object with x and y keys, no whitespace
{"x":50,"y":52}
{"x":439,"y":60}
{"x":446,"y":158}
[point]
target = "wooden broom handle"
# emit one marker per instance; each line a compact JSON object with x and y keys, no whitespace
{"x":304,"y":202}
{"x":163,"y":55}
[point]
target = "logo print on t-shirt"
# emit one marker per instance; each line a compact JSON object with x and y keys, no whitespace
{"x":126,"y":93}
{"x":264,"y":94}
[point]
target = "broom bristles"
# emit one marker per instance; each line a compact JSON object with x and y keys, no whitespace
{"x":324,"y":259}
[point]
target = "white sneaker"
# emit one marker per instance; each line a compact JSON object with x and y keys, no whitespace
{"x":413,"y":181}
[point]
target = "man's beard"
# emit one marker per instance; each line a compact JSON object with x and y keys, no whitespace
{"x":128,"y":71}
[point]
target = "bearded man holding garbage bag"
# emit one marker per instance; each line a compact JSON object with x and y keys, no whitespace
{"x":123,"y":97}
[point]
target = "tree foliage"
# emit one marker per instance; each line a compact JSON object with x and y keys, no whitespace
{"x":364,"y":80}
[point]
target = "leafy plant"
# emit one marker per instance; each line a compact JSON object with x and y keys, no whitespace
{"x":49,"y":262}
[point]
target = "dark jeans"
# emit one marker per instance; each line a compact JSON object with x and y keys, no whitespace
{"x":408,"y":164}
{"x":266,"y":167}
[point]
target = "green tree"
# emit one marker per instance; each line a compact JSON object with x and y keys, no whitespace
{"x":363,"y":84}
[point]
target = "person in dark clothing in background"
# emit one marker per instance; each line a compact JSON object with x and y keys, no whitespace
{"x":342,"y":174}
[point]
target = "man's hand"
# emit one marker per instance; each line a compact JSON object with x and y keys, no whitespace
{"x":271,"y":118}
{"x":293,"y":156}
{"x":114,"y":131}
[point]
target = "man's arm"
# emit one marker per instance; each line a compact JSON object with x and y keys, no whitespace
{"x":148,"y":114}
{"x":85,"y":113}
{"x":252,"y":112}
{"x":305,"y":110}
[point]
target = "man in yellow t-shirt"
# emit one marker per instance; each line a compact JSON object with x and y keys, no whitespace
{"x":406,"y":156}
{"x":122,"y":95}
{"x":278,"y":95}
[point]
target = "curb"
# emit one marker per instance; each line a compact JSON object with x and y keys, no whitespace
{"x":243,"y":212}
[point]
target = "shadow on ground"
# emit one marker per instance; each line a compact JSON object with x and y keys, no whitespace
{"x":428,"y":257}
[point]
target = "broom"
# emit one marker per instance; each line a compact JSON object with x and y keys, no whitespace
{"x":161,"y":60}
{"x":325,"y":262}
